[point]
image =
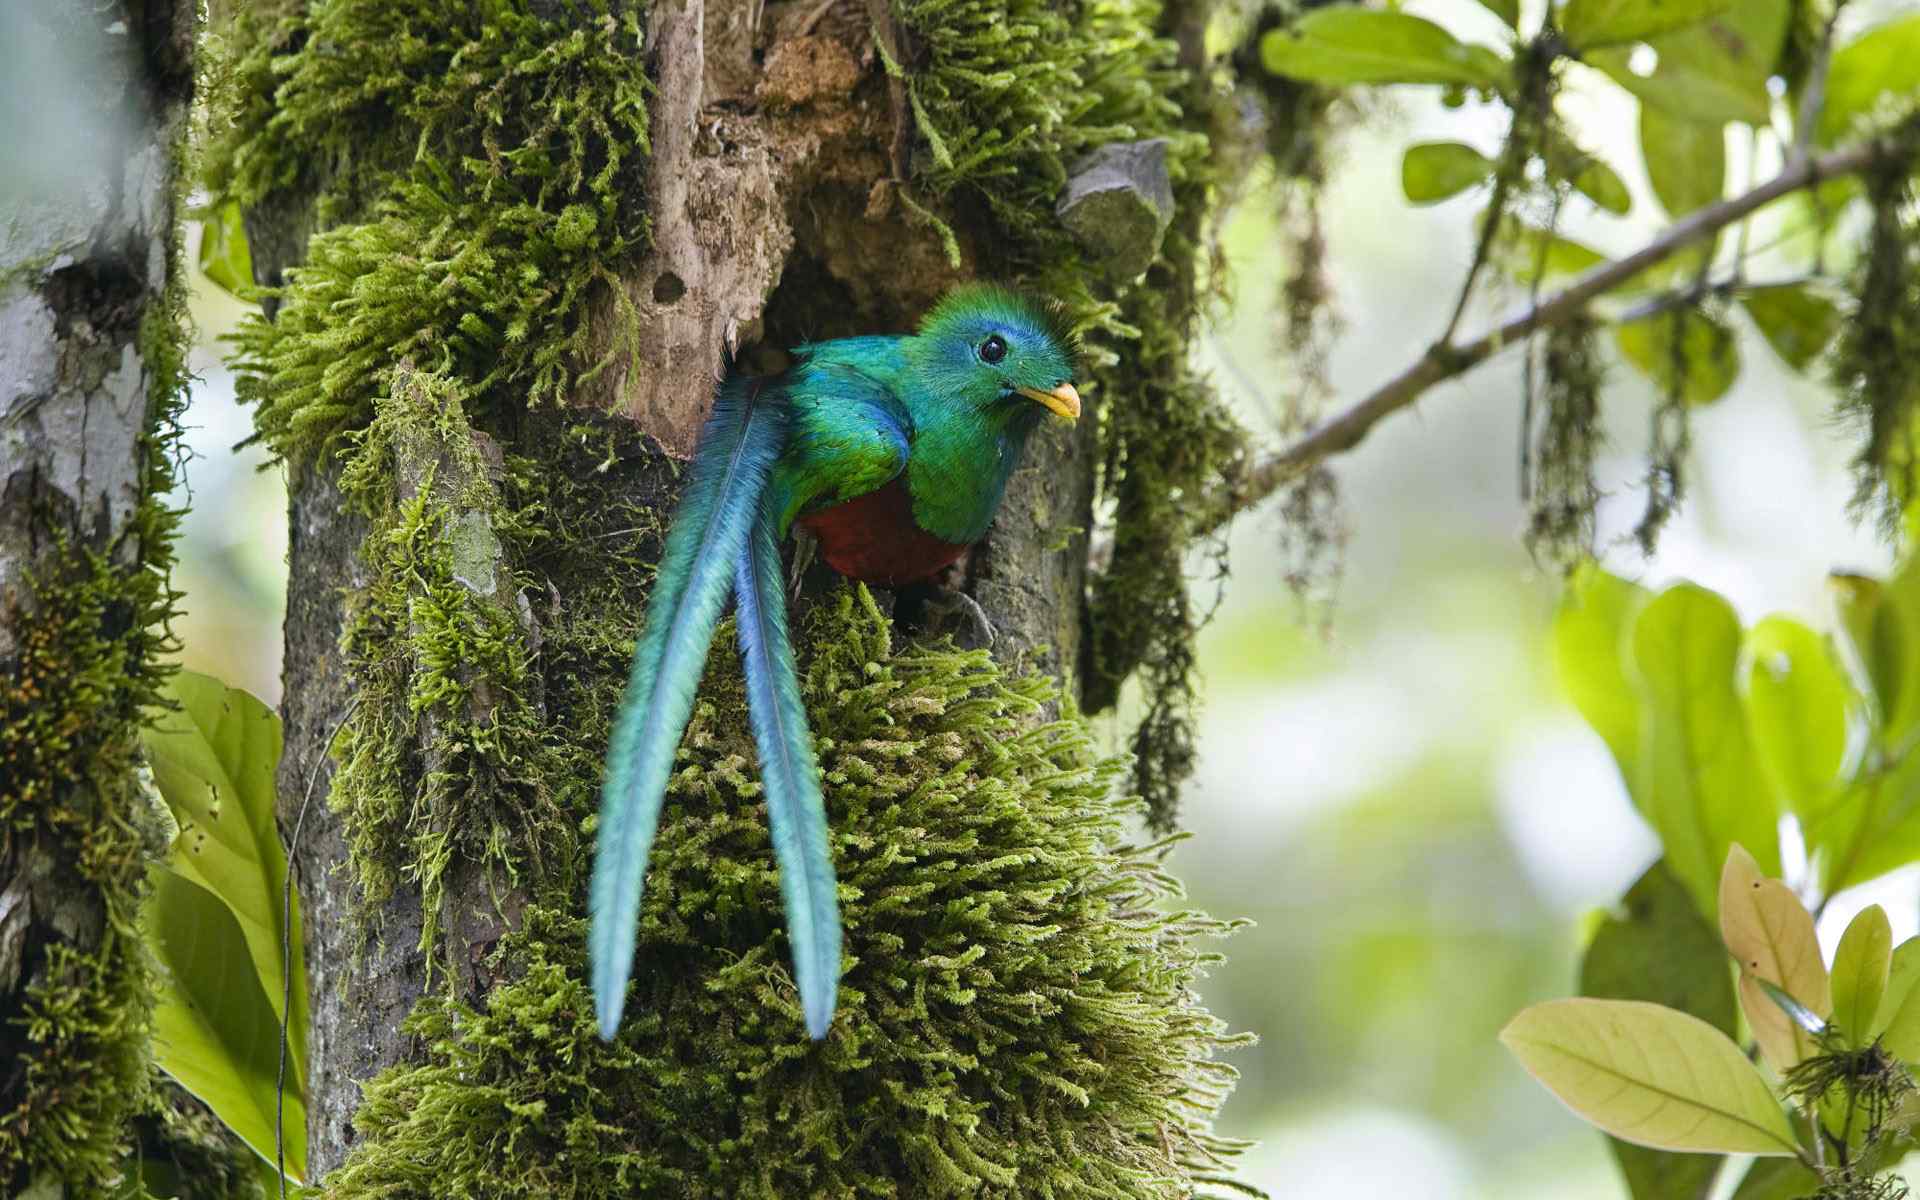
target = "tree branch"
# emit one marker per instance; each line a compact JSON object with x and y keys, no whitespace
{"x":1445,"y":360}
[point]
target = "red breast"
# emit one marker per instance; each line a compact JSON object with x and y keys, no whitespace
{"x":873,"y":538}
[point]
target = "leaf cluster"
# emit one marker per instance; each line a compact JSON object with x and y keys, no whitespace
{"x":1766,"y":72}
{"x":217,"y":901}
{"x":1721,"y":731}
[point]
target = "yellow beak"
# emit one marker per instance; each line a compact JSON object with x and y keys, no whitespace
{"x":1063,"y":400}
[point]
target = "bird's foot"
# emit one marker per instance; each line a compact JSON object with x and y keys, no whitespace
{"x":945,"y":603}
{"x":805,"y":547}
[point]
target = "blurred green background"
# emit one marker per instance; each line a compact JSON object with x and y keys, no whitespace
{"x":1391,"y":788}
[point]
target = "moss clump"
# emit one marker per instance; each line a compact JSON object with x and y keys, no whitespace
{"x":1557,"y":466}
{"x":88,"y":632}
{"x":445,"y":757}
{"x":475,"y":167}
{"x":1017,"y":1019}
{"x":1009,"y":94}
{"x":1877,"y":360}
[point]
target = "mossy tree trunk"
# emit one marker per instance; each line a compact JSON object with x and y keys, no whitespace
{"x":92,"y":373}
{"x":490,"y":343}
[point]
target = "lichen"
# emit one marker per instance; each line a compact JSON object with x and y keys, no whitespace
{"x":89,"y":633}
{"x":1017,"y":1020}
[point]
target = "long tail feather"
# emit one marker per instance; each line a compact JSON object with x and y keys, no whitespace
{"x":791,"y":776}
{"x":737,"y":448}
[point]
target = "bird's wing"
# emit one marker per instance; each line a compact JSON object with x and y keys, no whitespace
{"x":850,"y":436}
{"x":738,"y":447}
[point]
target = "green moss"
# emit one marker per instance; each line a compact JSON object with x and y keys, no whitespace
{"x":474,"y":168}
{"x":1017,"y":1020}
{"x":185,"y":1152}
{"x":1877,"y":358}
{"x":1557,"y":467}
{"x":1009,"y":94}
{"x":89,"y":631}
{"x":445,"y":756}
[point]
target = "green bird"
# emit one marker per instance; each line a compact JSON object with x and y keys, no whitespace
{"x":894,"y":453}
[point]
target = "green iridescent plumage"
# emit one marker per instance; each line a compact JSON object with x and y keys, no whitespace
{"x":894,"y":451}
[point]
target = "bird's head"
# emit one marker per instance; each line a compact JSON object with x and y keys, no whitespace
{"x":996,"y":349}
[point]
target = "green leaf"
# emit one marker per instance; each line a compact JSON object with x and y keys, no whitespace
{"x":1712,"y":72}
{"x":1433,"y":171}
{"x":1599,"y":183}
{"x":1857,"y":599}
{"x":1554,"y":256}
{"x":1682,"y":350}
{"x":224,"y":256}
{"x":1798,"y":701}
{"x":1588,"y":24}
{"x":1860,"y":973}
{"x":1506,"y":10}
{"x":1879,"y":68}
{"x":1345,"y":44}
{"x":213,"y":1030}
{"x":1770,"y":934}
{"x":1657,"y":948}
{"x":1777,"y":1179}
{"x":213,"y":761}
{"x":1686,"y":163}
{"x":1650,"y":1075}
{"x":1590,"y":657}
{"x":1797,"y":321}
{"x":1898,"y":1024}
{"x":1699,"y":781}
{"x":1873,"y":828}
{"x":1589,"y":175}
{"x":1895,"y":656}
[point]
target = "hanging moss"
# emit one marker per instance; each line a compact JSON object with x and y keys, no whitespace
{"x":475,"y":167}
{"x":1009,"y":94}
{"x":1877,"y":359}
{"x":1017,"y":1021}
{"x":85,"y":665}
{"x":1557,"y":467}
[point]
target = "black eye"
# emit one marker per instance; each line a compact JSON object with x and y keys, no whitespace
{"x":993,"y":349}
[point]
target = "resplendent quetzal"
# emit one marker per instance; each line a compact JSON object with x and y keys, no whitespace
{"x":893,"y":452}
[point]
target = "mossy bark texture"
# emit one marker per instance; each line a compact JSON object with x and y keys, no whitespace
{"x":92,"y":344}
{"x":510,"y":247}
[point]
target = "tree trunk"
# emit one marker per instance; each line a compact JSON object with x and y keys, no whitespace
{"x":92,"y":373}
{"x":473,"y":528}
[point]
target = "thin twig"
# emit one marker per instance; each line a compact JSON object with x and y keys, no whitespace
{"x":1444,"y":360}
{"x":1814,"y":98}
{"x":286,"y":953}
{"x":1653,"y":306}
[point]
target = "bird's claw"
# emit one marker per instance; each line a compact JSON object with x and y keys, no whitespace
{"x":805,"y":545}
{"x":945,"y":602}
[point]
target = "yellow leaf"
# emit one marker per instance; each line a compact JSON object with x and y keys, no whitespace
{"x":1650,"y":1074}
{"x":1770,"y":933}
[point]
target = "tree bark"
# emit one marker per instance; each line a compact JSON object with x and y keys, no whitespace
{"x":776,"y":214}
{"x":92,"y":350}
